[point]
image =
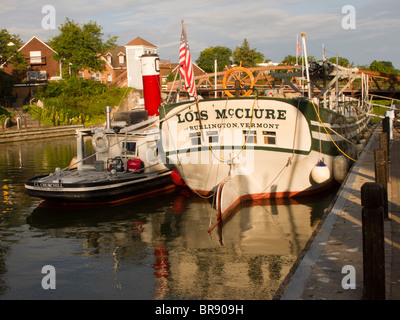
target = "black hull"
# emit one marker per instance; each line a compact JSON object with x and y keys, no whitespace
{"x":107,"y":192}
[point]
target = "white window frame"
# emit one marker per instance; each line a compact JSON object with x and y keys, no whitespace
{"x":35,"y":57}
{"x":95,"y":76}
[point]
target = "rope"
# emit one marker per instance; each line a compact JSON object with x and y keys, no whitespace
{"x":289,"y":162}
{"x":245,"y":142}
{"x":330,"y":137}
{"x":177,"y":156}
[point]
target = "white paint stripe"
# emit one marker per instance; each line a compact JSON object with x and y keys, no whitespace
{"x":328,"y":125}
{"x":95,"y":188}
{"x":325,"y":137}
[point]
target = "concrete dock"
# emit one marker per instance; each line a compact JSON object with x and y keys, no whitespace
{"x":11,"y":135}
{"x":338,"y":243}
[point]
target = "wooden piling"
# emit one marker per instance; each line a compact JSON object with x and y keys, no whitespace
{"x":386,"y":125}
{"x":381,"y":176}
{"x":384,"y":142}
{"x":373,"y":241}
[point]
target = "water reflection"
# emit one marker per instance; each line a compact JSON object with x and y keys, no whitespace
{"x":246,"y":258}
{"x":153,"y":248}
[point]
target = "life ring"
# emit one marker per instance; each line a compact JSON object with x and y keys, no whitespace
{"x":100,"y":142}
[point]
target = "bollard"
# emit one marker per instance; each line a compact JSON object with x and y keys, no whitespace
{"x":373,"y":241}
{"x":384,"y":143}
{"x":381,"y":176}
{"x":386,"y":126}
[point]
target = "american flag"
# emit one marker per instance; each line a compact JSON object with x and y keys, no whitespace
{"x":298,"y":47}
{"x":185,"y":65}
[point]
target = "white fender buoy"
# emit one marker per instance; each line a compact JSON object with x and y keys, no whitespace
{"x":339,"y":168}
{"x":359,"y":149}
{"x":320,"y":173}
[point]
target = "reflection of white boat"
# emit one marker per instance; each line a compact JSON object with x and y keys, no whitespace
{"x":170,"y":253}
{"x":250,"y":147}
{"x":248,"y":258}
{"x":125,"y":164}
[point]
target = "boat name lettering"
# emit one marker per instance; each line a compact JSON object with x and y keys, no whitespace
{"x":235,"y":125}
{"x":47,"y":185}
{"x":239,"y":113}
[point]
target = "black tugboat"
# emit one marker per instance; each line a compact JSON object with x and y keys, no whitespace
{"x":123,"y":163}
{"x":123,"y":160}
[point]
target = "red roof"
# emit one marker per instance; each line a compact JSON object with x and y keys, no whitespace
{"x":140,"y":42}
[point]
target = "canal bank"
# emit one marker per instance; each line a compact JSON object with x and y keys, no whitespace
{"x":12,"y":135}
{"x":337,"y":245}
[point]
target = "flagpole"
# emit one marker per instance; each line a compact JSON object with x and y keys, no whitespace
{"x":180,"y":78}
{"x":303,"y":37}
{"x":183,"y":27}
{"x":185,"y":64}
{"x":297,"y":50}
{"x":178,"y":90}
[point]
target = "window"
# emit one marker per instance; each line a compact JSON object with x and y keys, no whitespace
{"x":212,"y":136}
{"x":36,"y":75}
{"x":35,"y":57}
{"x":95,"y":76}
{"x":269,"y":137}
{"x":195,"y":138}
{"x":109,"y":77}
{"x":250,"y":135}
{"x":130,"y":147}
{"x":81,"y":74}
{"x":109,"y":59}
{"x":121,"y":59}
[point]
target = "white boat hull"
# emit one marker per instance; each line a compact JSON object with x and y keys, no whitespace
{"x":250,"y":148}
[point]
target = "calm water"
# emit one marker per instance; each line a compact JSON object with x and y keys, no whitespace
{"x":154,"y":248}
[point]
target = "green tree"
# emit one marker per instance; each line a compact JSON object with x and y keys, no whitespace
{"x":291,"y":60}
{"x":80,"y":46}
{"x":207,"y":58}
{"x":384,"y":67}
{"x":344,"y":62}
{"x":76,"y":98}
{"x":6,"y":85}
{"x":9,"y":54}
{"x":248,"y":57}
{"x":4,"y":114}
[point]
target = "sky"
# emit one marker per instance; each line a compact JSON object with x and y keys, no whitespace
{"x":360,"y":30}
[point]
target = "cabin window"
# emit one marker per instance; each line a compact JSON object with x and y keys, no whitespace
{"x":130,"y":147}
{"x":212,"y":136}
{"x":269,"y":137}
{"x":195,"y":138}
{"x":250,"y":136}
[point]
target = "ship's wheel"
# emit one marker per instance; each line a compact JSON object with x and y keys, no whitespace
{"x":238,"y":82}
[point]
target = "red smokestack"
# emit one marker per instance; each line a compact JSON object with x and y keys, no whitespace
{"x":151,"y":83}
